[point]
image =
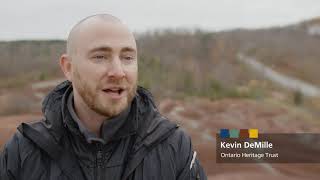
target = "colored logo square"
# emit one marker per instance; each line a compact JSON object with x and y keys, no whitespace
{"x":234,"y":133}
{"x":224,"y":133}
{"x":253,"y":133}
{"x":244,"y":133}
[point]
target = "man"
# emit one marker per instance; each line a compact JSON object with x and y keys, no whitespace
{"x":98,"y":124}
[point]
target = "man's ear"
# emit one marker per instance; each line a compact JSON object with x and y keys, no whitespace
{"x":66,"y":66}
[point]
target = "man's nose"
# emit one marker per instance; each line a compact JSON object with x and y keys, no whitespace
{"x":116,"y":69}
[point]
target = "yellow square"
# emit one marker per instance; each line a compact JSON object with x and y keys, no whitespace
{"x":253,"y":133}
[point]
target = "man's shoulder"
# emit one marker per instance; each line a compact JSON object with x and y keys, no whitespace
{"x":19,"y":144}
{"x":179,"y":134}
{"x":18,"y":140}
{"x":16,"y":151}
{"x":179,"y":137}
{"x":159,"y":129}
{"x":180,"y":140}
{"x":175,"y":148}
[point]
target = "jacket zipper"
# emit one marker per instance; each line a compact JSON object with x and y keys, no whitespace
{"x":98,"y":161}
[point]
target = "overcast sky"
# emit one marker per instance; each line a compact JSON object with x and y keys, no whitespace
{"x":51,"y":19}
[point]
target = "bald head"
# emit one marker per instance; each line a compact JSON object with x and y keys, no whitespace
{"x":88,"y":23}
{"x":105,"y":57}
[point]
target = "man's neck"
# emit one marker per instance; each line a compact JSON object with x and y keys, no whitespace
{"x":89,"y":118}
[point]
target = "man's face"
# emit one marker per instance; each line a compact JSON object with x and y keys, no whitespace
{"x":104,"y":67}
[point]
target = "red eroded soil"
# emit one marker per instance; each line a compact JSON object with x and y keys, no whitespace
{"x":202,"y":119}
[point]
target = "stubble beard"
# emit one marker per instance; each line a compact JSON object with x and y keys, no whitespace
{"x":90,"y":96}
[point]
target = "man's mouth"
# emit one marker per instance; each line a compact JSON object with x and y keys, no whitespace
{"x":115,"y":93}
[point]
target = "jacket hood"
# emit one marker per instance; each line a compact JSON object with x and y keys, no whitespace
{"x":151,"y":126}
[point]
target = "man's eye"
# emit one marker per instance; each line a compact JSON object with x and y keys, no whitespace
{"x":128,"y":58}
{"x":99,"y":57}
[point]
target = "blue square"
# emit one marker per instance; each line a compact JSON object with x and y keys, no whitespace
{"x":224,"y":133}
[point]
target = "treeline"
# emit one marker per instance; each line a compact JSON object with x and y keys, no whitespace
{"x":22,"y":62}
{"x":183,"y":62}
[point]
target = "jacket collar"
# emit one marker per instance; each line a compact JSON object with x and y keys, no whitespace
{"x":112,"y":129}
{"x":109,"y":128}
{"x":57,"y":116}
{"x":145,"y":120}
